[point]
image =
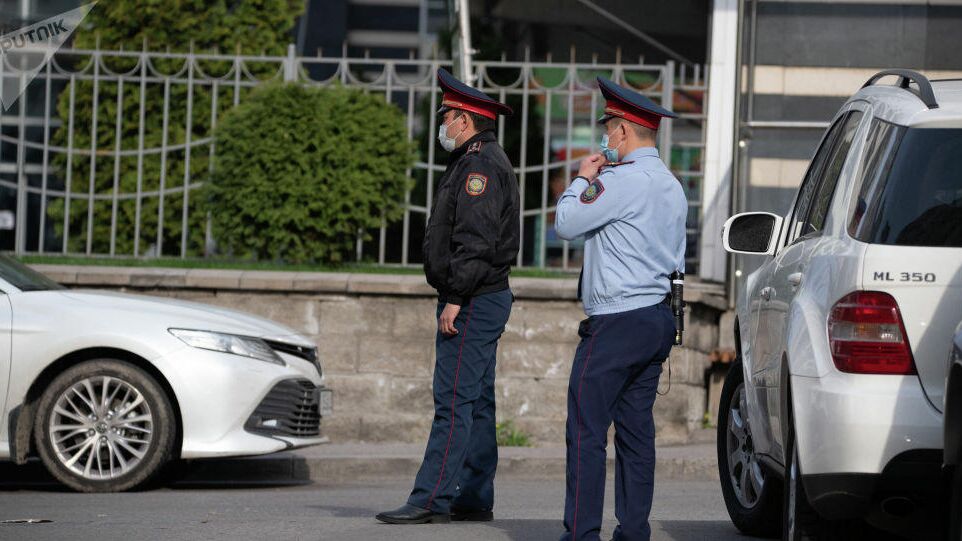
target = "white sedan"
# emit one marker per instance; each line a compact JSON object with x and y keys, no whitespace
{"x":106,"y":388}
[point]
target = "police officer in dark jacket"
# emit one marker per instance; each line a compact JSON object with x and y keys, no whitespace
{"x":471,"y":240}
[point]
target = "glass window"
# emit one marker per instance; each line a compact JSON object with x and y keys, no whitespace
{"x":917,"y":199}
{"x":826,"y":188}
{"x":810,"y":182}
{"x":24,"y":278}
{"x":883,"y":138}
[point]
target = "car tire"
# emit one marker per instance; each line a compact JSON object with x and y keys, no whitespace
{"x":104,"y":426}
{"x":754,"y":511}
{"x":800,"y":521}
{"x":955,"y":506}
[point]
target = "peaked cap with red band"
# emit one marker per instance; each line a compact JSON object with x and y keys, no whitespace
{"x":621,"y":102}
{"x":457,"y":95}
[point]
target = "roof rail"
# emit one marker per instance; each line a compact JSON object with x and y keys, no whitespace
{"x":908,"y":76}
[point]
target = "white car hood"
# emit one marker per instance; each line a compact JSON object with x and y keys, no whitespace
{"x":177,"y":313}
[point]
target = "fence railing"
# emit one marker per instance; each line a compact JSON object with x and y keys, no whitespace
{"x":103,"y":152}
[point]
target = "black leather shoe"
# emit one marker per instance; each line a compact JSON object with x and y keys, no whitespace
{"x":409,"y":514}
{"x":466,"y":515}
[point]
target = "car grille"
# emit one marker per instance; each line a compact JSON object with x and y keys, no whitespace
{"x":309,"y":354}
{"x":289,"y":409}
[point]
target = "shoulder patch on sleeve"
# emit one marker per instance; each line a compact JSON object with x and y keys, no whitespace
{"x":476,"y":184}
{"x":474,"y":147}
{"x":592,"y":192}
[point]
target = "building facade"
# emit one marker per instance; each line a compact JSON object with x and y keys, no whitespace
{"x":777,"y":70}
{"x":796,"y":63}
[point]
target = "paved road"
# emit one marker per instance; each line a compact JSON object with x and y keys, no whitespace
{"x":527,"y":510}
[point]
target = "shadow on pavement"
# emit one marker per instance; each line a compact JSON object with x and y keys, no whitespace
{"x":665,"y":530}
{"x":530,"y":530}
{"x":347,"y":512}
{"x":30,"y":476}
{"x":219,"y":474}
{"x":696,"y":530}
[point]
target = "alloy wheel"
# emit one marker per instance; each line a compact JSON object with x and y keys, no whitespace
{"x":101,"y":428}
{"x":744,"y":470}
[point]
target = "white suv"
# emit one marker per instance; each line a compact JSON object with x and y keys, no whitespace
{"x":832,"y":417}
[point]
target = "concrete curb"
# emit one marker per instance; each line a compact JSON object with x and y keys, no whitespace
{"x":295,"y":467}
{"x":338,"y":465}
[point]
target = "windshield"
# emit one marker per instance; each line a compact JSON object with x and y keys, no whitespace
{"x":912,"y":191}
{"x":23,"y":277}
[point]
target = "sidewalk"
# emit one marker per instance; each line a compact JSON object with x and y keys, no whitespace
{"x":340,"y":463}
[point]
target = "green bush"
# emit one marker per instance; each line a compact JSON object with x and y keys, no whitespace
{"x":227,"y":26}
{"x":301,"y":170}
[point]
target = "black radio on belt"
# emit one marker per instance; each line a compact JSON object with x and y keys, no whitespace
{"x":678,"y":303}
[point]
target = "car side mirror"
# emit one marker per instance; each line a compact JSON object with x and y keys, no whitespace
{"x":752,"y":233}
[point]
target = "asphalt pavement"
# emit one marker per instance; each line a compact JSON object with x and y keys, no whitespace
{"x":526,"y":509}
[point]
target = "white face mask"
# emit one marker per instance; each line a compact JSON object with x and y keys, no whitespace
{"x":447,"y":143}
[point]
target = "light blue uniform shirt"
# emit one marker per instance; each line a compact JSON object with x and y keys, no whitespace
{"x":633,"y":219}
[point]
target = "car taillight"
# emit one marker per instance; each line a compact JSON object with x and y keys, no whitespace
{"x":867,"y":336}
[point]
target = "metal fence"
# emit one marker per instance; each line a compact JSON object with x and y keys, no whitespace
{"x":119,"y":182}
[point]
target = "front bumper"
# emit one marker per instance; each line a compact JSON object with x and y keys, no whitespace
{"x":217,"y":394}
{"x":293,"y":408}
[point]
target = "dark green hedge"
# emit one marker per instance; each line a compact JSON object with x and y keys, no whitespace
{"x":301,"y":170}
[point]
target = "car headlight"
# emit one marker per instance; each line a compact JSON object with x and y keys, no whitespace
{"x":245,"y":346}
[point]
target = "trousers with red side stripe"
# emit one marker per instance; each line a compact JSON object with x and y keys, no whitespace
{"x":462,"y":452}
{"x":614,"y":378}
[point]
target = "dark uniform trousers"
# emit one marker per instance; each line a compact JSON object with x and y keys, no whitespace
{"x":614,"y":378}
{"x":462,"y":451}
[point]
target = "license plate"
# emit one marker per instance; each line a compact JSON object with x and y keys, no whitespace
{"x":325,"y":401}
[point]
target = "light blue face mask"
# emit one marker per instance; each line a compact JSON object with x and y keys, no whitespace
{"x":611,"y":154}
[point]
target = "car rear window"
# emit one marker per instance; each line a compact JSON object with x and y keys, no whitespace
{"x":911,"y":192}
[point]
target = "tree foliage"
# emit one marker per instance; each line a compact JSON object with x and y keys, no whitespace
{"x":246,"y":26}
{"x":301,"y":170}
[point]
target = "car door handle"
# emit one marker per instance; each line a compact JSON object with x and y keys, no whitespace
{"x":766,"y":293}
{"x":795,"y":279}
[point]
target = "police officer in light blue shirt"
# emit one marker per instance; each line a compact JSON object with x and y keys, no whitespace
{"x":631,"y":211}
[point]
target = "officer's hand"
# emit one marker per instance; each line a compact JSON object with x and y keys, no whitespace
{"x":590,"y":166}
{"x":446,"y":321}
